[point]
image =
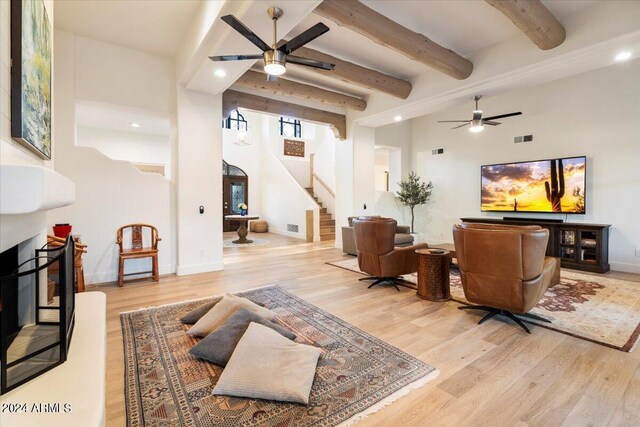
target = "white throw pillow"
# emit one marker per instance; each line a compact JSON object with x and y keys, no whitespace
{"x":220,"y":312}
{"x":266,"y":365}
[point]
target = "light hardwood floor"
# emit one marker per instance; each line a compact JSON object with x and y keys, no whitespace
{"x":490,"y":375}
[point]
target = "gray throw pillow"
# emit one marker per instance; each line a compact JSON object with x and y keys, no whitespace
{"x":194,"y":315}
{"x":222,"y":311}
{"x":218,"y":346}
{"x":266,"y":365}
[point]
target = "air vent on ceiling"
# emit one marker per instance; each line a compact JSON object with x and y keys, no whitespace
{"x":437,"y":151}
{"x":523,"y":138}
{"x":292,"y":228}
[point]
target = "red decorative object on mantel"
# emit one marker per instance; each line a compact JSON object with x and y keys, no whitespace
{"x":62,"y":230}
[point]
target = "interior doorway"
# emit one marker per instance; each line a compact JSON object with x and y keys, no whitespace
{"x":235,"y":190}
{"x":387,"y":168}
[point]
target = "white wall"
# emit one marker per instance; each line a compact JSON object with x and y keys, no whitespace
{"x":593,"y":114}
{"x":109,"y":193}
{"x":199,"y":182}
{"x":128,"y":146}
{"x":363,"y":174}
{"x":123,"y":76}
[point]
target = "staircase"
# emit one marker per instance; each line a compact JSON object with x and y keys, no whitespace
{"x":327,"y":223}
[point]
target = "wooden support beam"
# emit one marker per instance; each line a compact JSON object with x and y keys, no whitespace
{"x":363,"y":20}
{"x":351,"y":73}
{"x":255,"y":80}
{"x":232,"y":100}
{"x":534,"y":20}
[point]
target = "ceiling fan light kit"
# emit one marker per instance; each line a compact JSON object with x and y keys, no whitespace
{"x":275,"y":57}
{"x":274,"y":61}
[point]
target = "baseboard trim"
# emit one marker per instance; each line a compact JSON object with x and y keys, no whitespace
{"x":625,"y":267}
{"x":287,"y":233}
{"x":104,"y":277}
{"x":185,"y":270}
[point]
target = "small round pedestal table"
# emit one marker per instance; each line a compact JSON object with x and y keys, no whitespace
{"x":242,"y":230}
{"x":433,"y":274}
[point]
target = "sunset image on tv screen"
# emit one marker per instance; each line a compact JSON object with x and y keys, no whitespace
{"x":556,"y":186}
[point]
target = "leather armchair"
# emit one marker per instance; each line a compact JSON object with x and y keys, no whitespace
{"x":504,"y":268}
{"x":377,"y":254}
{"x":403,"y":236}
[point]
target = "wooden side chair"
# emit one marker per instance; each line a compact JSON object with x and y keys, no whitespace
{"x":81,"y":249}
{"x":138,"y":249}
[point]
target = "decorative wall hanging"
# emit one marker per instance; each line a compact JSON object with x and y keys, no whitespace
{"x":293,"y":148}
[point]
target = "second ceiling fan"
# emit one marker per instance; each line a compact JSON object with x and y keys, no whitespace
{"x":276,"y":57}
{"x":477,"y":122}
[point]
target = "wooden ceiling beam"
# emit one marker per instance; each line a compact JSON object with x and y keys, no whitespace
{"x":534,"y":20}
{"x":363,"y":20}
{"x":232,"y":100}
{"x":351,"y":73}
{"x":258,"y":81}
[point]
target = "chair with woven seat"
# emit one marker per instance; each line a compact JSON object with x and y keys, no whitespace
{"x":504,"y":269}
{"x":377,"y":253}
{"x":138,"y":249}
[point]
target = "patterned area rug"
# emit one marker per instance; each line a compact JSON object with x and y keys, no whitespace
{"x":165,"y":386}
{"x":587,"y":306}
{"x":256,"y":242}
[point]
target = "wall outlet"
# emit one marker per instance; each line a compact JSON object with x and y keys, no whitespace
{"x":637,"y":252}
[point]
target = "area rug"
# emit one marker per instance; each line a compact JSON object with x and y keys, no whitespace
{"x":357,"y":373}
{"x":587,"y":306}
{"x":256,"y":242}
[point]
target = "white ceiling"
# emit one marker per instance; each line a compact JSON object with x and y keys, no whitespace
{"x":100,"y":115}
{"x":152,"y":26}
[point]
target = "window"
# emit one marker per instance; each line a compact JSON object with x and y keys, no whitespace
{"x":235,"y":121}
{"x":290,"y":127}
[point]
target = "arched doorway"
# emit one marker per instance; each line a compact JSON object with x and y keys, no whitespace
{"x":235,"y":190}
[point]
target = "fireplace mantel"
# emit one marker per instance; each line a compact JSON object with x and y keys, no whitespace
{"x":27,"y":189}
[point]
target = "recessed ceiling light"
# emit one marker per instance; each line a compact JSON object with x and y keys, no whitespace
{"x":135,"y":125}
{"x":219,"y":72}
{"x":623,"y":56}
{"x":397,"y":118}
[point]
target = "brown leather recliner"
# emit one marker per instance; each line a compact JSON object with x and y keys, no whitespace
{"x":503,"y":268}
{"x":377,"y":254}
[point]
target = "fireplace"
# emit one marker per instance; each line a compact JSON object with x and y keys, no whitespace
{"x":37,"y":311}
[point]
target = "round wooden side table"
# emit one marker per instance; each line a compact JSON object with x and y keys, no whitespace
{"x":433,"y":274}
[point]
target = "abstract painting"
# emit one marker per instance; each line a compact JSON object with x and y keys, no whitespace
{"x":31,"y":76}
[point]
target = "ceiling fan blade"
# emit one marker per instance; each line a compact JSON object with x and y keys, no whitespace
{"x":309,"y":62}
{"x":466,"y":124}
{"x":501,"y":116}
{"x":245,"y":31}
{"x":489,"y":122}
{"x":272,"y":78}
{"x":453,"y":121}
{"x":304,"y":38}
{"x":234,"y":57}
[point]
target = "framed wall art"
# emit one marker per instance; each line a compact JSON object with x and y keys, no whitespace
{"x":31,"y":56}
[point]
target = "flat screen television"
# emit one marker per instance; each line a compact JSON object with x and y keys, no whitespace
{"x":551,"y":186}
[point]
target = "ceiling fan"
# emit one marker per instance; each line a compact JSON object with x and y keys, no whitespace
{"x":276,"y":57}
{"x":477,"y":122}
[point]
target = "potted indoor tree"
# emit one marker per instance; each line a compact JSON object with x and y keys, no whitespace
{"x":414,"y":192}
